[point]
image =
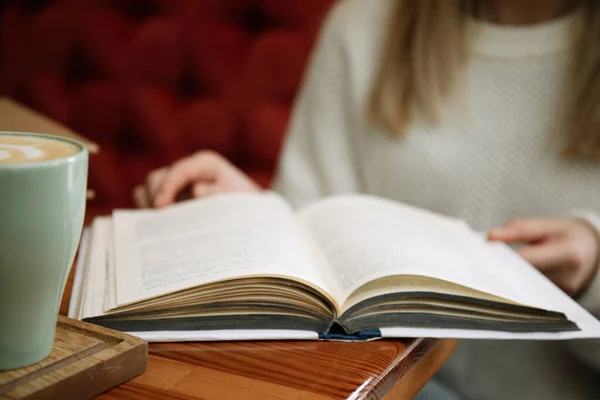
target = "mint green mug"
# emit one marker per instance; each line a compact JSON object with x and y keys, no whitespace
{"x":43,"y":182}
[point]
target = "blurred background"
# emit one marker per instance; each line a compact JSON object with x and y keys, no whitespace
{"x":152,"y":81}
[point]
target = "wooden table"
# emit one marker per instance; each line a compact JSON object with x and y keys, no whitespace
{"x":383,"y":369}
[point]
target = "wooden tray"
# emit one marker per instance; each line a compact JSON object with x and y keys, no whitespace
{"x":86,"y":361}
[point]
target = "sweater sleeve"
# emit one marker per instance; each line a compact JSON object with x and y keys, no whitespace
{"x":318,"y":156}
{"x":588,"y":351}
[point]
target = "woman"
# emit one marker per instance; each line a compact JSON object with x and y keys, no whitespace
{"x":484,"y":110}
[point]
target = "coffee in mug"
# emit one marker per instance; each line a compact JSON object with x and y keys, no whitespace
{"x":43,"y":181}
{"x":16,"y":149}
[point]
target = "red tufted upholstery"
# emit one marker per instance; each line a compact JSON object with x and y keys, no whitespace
{"x":154,"y":80}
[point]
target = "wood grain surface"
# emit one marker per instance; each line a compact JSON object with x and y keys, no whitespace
{"x":382,"y":369}
{"x":86,"y":360}
{"x":284,"y":370}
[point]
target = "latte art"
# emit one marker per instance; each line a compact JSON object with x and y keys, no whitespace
{"x":16,"y":149}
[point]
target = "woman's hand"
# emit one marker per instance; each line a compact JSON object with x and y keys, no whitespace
{"x":205,"y":173}
{"x":565,"y":250}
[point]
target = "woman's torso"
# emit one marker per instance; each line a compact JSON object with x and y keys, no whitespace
{"x":492,"y":158}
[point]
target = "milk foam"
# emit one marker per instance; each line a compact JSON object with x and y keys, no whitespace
{"x":15,"y":149}
{"x":29,"y":152}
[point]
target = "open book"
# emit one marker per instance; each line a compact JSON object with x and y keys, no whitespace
{"x":247,"y":266}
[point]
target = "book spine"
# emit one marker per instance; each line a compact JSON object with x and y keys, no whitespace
{"x":361,"y":336}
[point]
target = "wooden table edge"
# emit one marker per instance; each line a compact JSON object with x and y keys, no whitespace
{"x":433,"y":353}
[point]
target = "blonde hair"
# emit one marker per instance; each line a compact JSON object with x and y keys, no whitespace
{"x":425,"y":53}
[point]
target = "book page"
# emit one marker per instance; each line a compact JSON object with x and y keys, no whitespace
{"x":233,"y":335}
{"x":366,"y":238}
{"x":589,"y":326}
{"x":110,"y":285}
{"x":203,"y":241}
{"x":76,"y":302}
{"x":96,"y":266}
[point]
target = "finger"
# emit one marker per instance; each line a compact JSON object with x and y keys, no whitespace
{"x":526,"y":230}
{"x":154,"y":181}
{"x":140,"y":197}
{"x":181,"y":175}
{"x":551,"y":256}
{"x":206,"y":189}
{"x":203,"y":189}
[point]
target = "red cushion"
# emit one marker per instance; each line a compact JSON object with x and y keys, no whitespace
{"x":49,"y":42}
{"x":13,"y":29}
{"x":47,"y":94}
{"x":264,"y":177}
{"x":217,"y":52}
{"x":153,"y":81}
{"x":207,"y":125}
{"x":158,"y":52}
{"x":298,"y":13}
{"x":137,"y":168}
{"x":265,"y":127}
{"x":275,"y":66}
{"x":153,"y":122}
{"x":117,"y":5}
{"x":98,"y":111}
{"x":106,"y":178}
{"x":105,"y":38}
{"x":223,"y":10}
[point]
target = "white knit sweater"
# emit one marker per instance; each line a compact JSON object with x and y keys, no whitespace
{"x":490,"y":160}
